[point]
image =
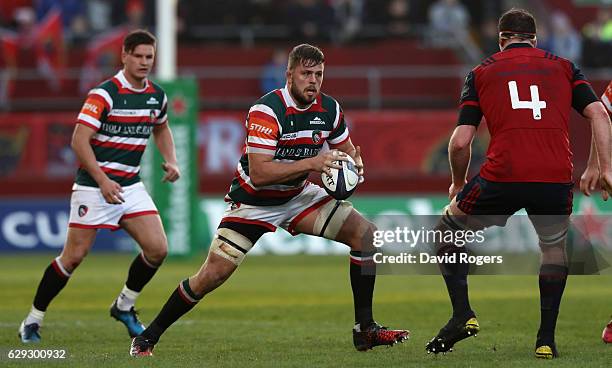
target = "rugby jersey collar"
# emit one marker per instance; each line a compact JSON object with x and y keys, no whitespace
{"x":518,"y":45}
{"x":126,"y":84}
{"x":289,"y":100}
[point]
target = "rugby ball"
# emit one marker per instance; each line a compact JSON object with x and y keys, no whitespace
{"x":342,"y":182}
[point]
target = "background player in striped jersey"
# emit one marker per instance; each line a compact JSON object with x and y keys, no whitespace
{"x":286,"y":130}
{"x":591,"y":180}
{"x":526,"y":95}
{"x":109,"y":139}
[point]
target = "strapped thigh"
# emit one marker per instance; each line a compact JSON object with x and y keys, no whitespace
{"x":233,"y":240}
{"x":330,"y":218}
{"x":551,"y":229}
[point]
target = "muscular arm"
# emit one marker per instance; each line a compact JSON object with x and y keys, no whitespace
{"x":590,"y":178}
{"x":602,"y":135}
{"x":593,"y":163}
{"x":264,"y":171}
{"x":460,"y":153}
{"x":165,"y":142}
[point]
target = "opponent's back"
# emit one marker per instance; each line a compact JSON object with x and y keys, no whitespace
{"x":525,"y":95}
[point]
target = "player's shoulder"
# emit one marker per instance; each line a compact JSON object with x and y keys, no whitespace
{"x":108,"y":86}
{"x":156,"y":88}
{"x":106,"y":90}
{"x":273,"y":100}
{"x":558,"y":59}
{"x":329,"y":103}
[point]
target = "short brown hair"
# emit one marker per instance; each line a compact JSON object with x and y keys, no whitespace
{"x":305,"y":54}
{"x":517,"y":23}
{"x":138,"y":37}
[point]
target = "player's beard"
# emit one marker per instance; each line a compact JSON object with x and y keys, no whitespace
{"x":300,"y":98}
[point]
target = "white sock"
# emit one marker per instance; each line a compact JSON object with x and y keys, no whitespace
{"x":35,"y":316}
{"x":126,"y":299}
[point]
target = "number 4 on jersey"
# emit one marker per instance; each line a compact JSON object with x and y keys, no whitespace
{"x":535,"y":104}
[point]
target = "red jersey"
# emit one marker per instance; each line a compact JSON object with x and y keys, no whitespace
{"x":525,"y":95}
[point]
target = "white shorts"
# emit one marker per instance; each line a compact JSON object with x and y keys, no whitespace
{"x":285,"y":216}
{"x":89,"y":210}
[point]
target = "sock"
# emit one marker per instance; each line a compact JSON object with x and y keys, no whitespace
{"x":552,"y":284}
{"x":182,"y":300}
{"x":53,"y":281}
{"x":455,"y":277}
{"x":140,"y":273}
{"x":126,"y":299}
{"x":363,"y":277}
{"x":35,"y":316}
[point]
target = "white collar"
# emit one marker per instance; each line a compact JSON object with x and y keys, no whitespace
{"x":126,"y":84}
{"x":291,"y":103}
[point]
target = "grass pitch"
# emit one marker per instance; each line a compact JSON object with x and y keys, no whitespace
{"x":297,"y":312}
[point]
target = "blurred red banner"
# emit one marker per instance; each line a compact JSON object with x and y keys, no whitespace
{"x":403,"y":151}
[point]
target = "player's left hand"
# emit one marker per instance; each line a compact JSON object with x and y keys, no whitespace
{"x":359,"y":163}
{"x":172,"y":172}
{"x":606,"y":185}
{"x":454,"y":189}
{"x":589,"y":181}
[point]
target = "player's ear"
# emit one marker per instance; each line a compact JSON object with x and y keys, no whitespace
{"x":288,"y":74}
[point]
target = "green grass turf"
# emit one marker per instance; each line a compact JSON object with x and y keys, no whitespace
{"x":297,"y":312}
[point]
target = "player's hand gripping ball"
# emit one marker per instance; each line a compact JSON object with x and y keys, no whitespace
{"x":342,"y":182}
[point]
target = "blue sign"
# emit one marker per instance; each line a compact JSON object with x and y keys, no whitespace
{"x":41,"y":225}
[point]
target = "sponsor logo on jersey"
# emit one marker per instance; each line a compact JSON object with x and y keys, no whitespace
{"x":296,"y":152}
{"x":260,"y":128}
{"x":152,"y":101}
{"x":127,"y":130}
{"x":288,"y":136}
{"x":83,"y":210}
{"x":317,"y":136}
{"x":317,"y":121}
{"x":92,"y":107}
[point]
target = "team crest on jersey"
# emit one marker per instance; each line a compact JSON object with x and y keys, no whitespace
{"x":83,"y":210}
{"x":317,"y":136}
{"x":153,"y":116}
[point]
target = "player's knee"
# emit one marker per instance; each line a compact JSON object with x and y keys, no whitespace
{"x":212,"y":275}
{"x":366,"y":240}
{"x":72,"y":260}
{"x":157,"y":256}
{"x":555,"y":240}
{"x":156,"y":252}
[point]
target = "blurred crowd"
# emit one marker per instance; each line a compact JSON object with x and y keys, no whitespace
{"x":444,"y":23}
{"x":81,"y":19}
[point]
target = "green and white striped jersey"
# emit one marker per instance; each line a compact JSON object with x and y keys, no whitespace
{"x":276,"y":126}
{"x":123,"y":118}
